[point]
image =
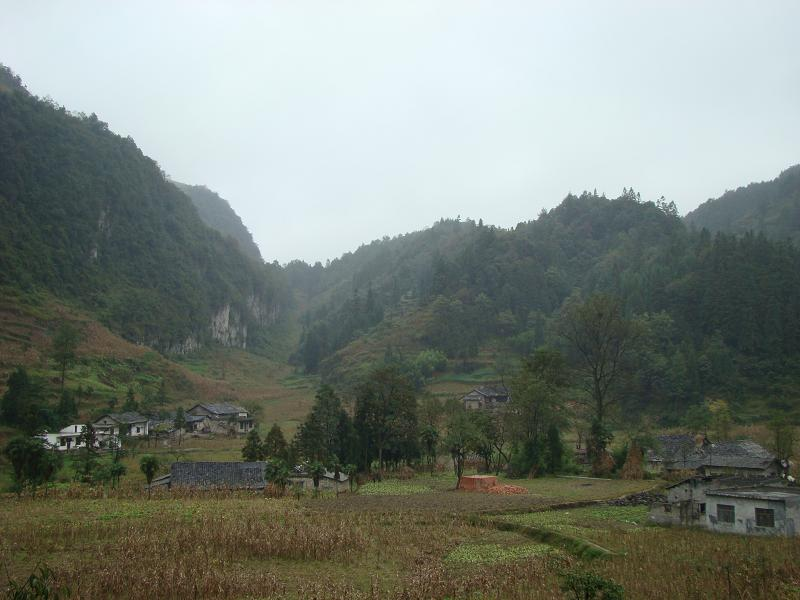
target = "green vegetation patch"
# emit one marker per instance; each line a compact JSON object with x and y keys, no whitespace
{"x":392,"y":488}
{"x":494,"y":553}
{"x":583,"y":520}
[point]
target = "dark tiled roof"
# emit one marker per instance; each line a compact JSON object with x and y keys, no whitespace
{"x":223,"y":408}
{"x":673,"y":446}
{"x":489,"y":391}
{"x":730,"y":481}
{"x":758,"y":493}
{"x":227,"y":475}
{"x":126,"y":417}
{"x":740,"y":454}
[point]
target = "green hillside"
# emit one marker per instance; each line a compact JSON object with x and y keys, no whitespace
{"x":720,"y":313}
{"x":218,"y":214}
{"x":770,"y":207}
{"x":88,"y":217}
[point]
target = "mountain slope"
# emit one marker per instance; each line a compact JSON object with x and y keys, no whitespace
{"x":771,"y":207}
{"x":217,"y":213}
{"x":90,"y":218}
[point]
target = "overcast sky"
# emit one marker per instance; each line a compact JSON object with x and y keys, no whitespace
{"x":329,"y":124}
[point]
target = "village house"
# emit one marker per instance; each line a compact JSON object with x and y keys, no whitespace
{"x":758,"y":510}
{"x":746,"y":505}
{"x":66,"y":439}
{"x":215,"y":475}
{"x":239,"y":475}
{"x":688,"y":453}
{"x":119,"y":424}
{"x":686,"y":502}
{"x":222,"y":417}
{"x":488,"y":397}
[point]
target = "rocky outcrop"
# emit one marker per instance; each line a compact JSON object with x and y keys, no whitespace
{"x":228,"y":328}
{"x":187,"y":346}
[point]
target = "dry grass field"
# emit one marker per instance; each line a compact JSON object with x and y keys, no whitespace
{"x":412,"y":539}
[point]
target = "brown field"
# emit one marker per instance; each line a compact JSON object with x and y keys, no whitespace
{"x":412,"y":539}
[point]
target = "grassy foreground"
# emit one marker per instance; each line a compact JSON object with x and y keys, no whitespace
{"x":417,"y":545}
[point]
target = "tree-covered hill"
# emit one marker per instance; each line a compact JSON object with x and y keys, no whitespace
{"x":218,"y":214}
{"x":721,"y":313}
{"x":88,"y":217}
{"x":771,"y":207}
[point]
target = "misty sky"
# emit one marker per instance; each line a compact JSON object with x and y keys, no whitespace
{"x":328,"y":124}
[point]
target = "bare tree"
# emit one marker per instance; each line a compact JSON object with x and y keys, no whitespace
{"x":601,"y":337}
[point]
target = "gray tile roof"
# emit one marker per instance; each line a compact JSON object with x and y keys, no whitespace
{"x":758,"y":493}
{"x":739,"y":454}
{"x":673,"y":445}
{"x":223,"y":408}
{"x":729,"y":481}
{"x":498,"y":391}
{"x":223,"y":475}
{"x":126,"y":417}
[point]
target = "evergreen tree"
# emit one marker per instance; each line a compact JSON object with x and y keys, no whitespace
{"x":131,"y":405}
{"x":252,"y":450}
{"x":65,"y":345}
{"x":275,"y":446}
{"x":18,"y":394}
{"x":67,"y":410}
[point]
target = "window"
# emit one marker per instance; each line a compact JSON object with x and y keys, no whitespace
{"x":63,"y":441}
{"x":765,"y":517}
{"x":702,"y":508}
{"x":138,"y":430}
{"x":726,"y":513}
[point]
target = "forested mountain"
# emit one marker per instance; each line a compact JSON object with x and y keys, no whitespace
{"x":90,"y":218}
{"x":721,"y":313}
{"x":218,"y":214}
{"x":771,"y":207}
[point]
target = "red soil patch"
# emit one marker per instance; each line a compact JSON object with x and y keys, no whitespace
{"x":506,"y":490}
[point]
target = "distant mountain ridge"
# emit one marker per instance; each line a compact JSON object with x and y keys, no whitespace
{"x":218,"y":214}
{"x":769,"y":207}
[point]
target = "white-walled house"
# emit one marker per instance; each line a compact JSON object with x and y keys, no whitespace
{"x":66,"y":439}
{"x":127,"y":423}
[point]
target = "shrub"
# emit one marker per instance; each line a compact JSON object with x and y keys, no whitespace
{"x":583,"y":585}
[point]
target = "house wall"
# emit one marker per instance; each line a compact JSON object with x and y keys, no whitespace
{"x":787,"y":516}
{"x":143,"y":429}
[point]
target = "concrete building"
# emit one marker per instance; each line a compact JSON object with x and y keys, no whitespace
{"x":127,"y":423}
{"x":763,"y":510}
{"x":749,"y":505}
{"x":66,"y":439}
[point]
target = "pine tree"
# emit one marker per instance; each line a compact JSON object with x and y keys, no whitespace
{"x":252,"y":450}
{"x":275,"y":446}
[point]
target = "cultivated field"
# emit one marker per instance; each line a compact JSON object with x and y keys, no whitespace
{"x":409,"y":539}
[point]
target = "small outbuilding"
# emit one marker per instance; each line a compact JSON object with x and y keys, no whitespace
{"x":477,"y":482}
{"x":215,"y":476}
